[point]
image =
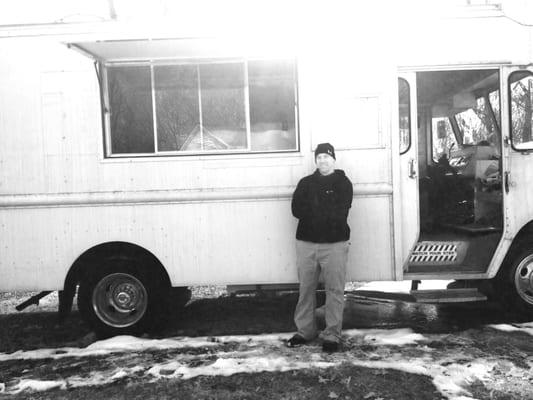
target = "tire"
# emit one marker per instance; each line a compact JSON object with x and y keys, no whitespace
{"x":120,"y":297}
{"x":515,"y":282}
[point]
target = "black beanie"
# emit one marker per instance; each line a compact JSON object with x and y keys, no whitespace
{"x":325,"y":148}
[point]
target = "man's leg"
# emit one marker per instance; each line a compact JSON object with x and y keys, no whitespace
{"x":308,"y":273}
{"x":332,"y":258}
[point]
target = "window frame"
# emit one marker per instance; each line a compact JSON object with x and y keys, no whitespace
{"x":510,"y":110}
{"x":103,"y":68}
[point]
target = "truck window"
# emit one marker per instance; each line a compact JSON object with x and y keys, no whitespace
{"x":131,"y":115}
{"x":476,"y":124}
{"x":521,"y":96}
{"x":443,"y":138}
{"x":202,"y":108}
{"x":404,"y":114}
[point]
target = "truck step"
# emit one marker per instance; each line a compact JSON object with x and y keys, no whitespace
{"x":438,"y":253}
{"x":448,"y":295}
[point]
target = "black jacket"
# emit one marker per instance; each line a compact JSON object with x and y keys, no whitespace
{"x":321,"y":203}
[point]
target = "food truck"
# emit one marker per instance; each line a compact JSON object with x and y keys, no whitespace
{"x":144,"y":155}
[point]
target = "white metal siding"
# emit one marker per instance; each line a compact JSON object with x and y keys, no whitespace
{"x":208,"y":219}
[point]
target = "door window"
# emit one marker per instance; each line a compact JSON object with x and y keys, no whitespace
{"x":404,"y":114}
{"x":521,"y":98}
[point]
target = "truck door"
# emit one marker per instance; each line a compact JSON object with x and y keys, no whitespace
{"x":518,"y":149}
{"x":407,"y":115}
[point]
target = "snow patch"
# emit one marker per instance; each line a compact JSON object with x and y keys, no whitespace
{"x":132,"y":343}
{"x":36,"y":386}
{"x":448,"y":379}
{"x":102,"y":377}
{"x":117,"y":344}
{"x":393,"y":337}
{"x":525,"y":327}
{"x":231,"y":366}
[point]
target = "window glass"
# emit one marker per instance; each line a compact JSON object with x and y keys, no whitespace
{"x":443,"y":139}
{"x":404,"y":113}
{"x":130,"y":109}
{"x":202,"y":108}
{"x":521,"y":91}
{"x":178,"y":109}
{"x":494,"y":98}
{"x":476,"y":124}
{"x":272,"y":105}
{"x":223,"y":109}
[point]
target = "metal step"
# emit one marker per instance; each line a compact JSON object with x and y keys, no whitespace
{"x":448,"y":295}
{"x":438,"y":253}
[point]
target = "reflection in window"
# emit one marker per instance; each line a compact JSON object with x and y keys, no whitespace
{"x":477,"y":125}
{"x":404,"y":114}
{"x":223,"y":111}
{"x":521,"y":91}
{"x":272,"y":105}
{"x":494,"y":98}
{"x":209,"y":107}
{"x":176,"y":94}
{"x":130,"y":109}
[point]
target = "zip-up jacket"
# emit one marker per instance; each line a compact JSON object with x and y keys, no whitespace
{"x":321,"y":203}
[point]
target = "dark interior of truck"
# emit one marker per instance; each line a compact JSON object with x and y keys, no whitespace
{"x":459,"y":166}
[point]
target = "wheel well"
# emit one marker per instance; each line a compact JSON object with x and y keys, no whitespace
{"x":523,"y":239}
{"x":87,"y":261}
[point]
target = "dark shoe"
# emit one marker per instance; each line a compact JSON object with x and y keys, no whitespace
{"x":330,"y":347}
{"x":296,"y":341}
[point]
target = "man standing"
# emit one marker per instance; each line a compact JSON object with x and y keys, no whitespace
{"x":321,"y":202}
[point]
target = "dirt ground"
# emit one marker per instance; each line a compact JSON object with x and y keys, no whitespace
{"x":212,"y":313}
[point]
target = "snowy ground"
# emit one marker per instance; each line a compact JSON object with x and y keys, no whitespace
{"x":451,"y":371}
{"x":489,"y":361}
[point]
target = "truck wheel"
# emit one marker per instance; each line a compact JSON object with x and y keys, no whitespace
{"x":515,"y":284}
{"x":119,"y":298}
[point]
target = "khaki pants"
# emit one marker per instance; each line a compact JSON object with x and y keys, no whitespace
{"x":331,"y":258}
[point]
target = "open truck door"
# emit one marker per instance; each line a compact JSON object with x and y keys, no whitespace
{"x":515,"y":276}
{"x":460,"y":166}
{"x":408,"y":229}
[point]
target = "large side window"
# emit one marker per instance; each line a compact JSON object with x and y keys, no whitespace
{"x":202,"y":108}
{"x":521,"y":95}
{"x":404,"y":114}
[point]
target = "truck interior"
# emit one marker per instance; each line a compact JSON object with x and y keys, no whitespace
{"x":459,"y":169}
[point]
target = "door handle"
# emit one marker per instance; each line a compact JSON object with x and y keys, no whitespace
{"x":412,"y":169}
{"x":506,"y":182}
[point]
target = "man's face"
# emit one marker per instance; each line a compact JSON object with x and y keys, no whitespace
{"x":325,"y":163}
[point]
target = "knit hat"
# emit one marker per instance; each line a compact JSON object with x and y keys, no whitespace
{"x":325,"y":148}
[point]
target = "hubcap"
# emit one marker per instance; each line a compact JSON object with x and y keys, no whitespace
{"x":120,"y":300}
{"x":523,"y":279}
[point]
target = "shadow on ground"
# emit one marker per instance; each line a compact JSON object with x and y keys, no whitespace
{"x":254,"y":315}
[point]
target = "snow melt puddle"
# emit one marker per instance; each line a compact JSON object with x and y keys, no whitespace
{"x":264,"y":353}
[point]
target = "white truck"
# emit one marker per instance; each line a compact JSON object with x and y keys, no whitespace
{"x":139,"y":158}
